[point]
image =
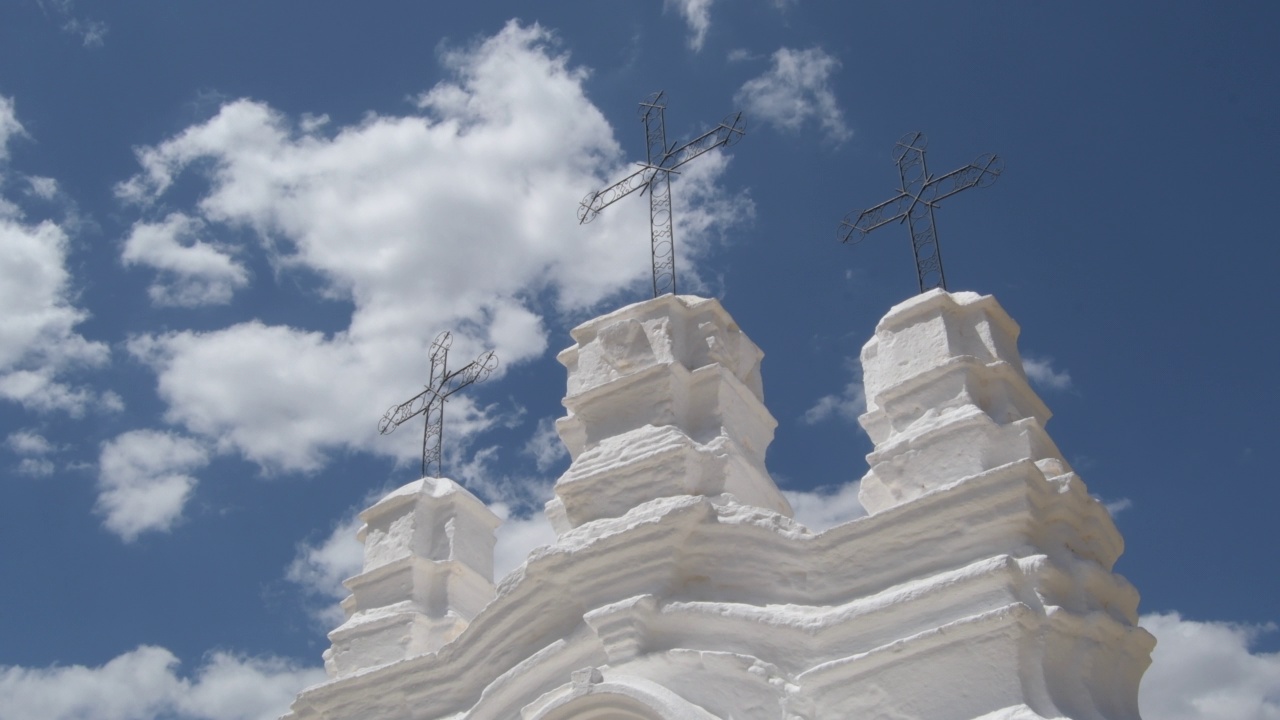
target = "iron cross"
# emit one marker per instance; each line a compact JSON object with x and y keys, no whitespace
{"x":654,"y":176}
{"x":431,"y":400}
{"x":917,"y":196}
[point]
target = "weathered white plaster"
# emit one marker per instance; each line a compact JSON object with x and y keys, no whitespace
{"x":980,"y":587}
{"x":664,"y":399}
{"x":428,"y":569}
{"x":946,"y":397}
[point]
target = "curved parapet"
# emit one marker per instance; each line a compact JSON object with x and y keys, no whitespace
{"x":679,"y":587}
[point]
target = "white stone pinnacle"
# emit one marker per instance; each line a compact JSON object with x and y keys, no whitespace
{"x":664,"y":399}
{"x":946,"y":398}
{"x":428,"y":569}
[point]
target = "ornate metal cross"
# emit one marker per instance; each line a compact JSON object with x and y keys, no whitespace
{"x":431,"y":400}
{"x":918,"y":195}
{"x":654,"y":176}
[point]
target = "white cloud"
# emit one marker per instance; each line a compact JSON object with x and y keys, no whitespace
{"x":45,"y":188}
{"x":506,"y":494}
{"x":233,"y":687}
{"x":38,"y":342}
{"x":193,"y":272}
{"x":1040,"y":371}
{"x":281,"y":396}
{"x":143,"y":684}
{"x":795,"y":90}
{"x":320,"y":568}
{"x":1207,"y":671}
{"x":453,"y":218}
{"x":826,"y":507}
{"x":545,"y":446}
{"x":90,"y":32}
{"x":28,"y":442}
{"x":144,"y":480}
{"x":1115,"y":507}
{"x":31,"y":446}
{"x":847,"y":405}
{"x":134,"y":685}
{"x":9,"y":125}
{"x":110,"y":401}
{"x":701,"y":211}
{"x":35,"y":467}
{"x":517,"y":537}
{"x":40,"y":390}
{"x":697,"y":15}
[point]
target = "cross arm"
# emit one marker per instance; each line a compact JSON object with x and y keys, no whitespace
{"x":872,"y":218}
{"x":729,"y":131}
{"x":981,"y":173}
{"x":474,"y":371}
{"x":406,"y":410}
{"x":594,"y":202}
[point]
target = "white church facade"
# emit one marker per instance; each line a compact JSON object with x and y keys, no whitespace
{"x":980,"y":585}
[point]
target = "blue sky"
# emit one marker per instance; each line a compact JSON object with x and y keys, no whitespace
{"x":229,"y":231}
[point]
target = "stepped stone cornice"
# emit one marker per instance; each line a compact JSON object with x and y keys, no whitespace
{"x":979,"y":586}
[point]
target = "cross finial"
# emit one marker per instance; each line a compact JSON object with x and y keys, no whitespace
{"x":917,"y":196}
{"x":654,"y":176}
{"x":431,"y":400}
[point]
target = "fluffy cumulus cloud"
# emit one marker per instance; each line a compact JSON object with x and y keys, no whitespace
{"x":45,"y":188}
{"x":545,"y":446}
{"x":39,"y":345}
{"x":1209,"y":671}
{"x":847,"y":405}
{"x":795,"y":91}
{"x":697,"y":15}
{"x":826,"y":507}
{"x":192,"y":272}
{"x":144,"y":684}
{"x":517,"y":537}
{"x":458,"y":216}
{"x":512,"y":494}
{"x":144,"y":480}
{"x":1041,"y":373}
{"x":38,"y":341}
{"x":32,"y":448}
{"x":319,"y":568}
{"x":28,"y":442}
